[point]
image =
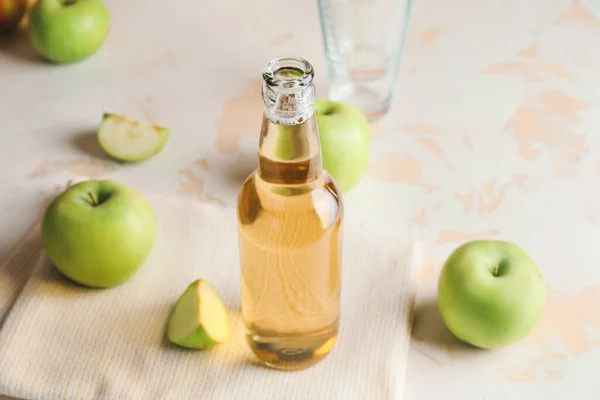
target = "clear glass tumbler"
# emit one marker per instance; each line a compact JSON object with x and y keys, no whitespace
{"x":363,"y":42}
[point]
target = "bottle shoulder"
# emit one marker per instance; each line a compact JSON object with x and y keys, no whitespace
{"x":319,"y":200}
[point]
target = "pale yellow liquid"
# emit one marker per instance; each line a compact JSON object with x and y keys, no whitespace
{"x":290,"y":220}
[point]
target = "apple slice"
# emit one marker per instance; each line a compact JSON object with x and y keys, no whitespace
{"x":199,"y":319}
{"x":128,"y":139}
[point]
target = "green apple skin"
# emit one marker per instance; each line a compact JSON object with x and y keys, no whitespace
{"x":197,"y":316}
{"x":99,"y":242}
{"x":67,"y":31}
{"x":345,"y":142}
{"x":491,"y":293}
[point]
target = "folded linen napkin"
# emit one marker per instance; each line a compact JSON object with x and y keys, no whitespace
{"x":64,"y":341}
{"x":16,"y":270}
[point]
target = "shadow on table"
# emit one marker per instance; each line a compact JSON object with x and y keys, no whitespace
{"x":17,"y":45}
{"x":236,"y":173}
{"x":86,"y":142}
{"x":233,"y":171}
{"x":430,"y":329}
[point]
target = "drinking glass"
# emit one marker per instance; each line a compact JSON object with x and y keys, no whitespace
{"x":363,"y":41}
{"x":593,"y":6}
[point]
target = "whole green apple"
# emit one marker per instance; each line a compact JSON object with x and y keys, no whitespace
{"x":345,"y":141}
{"x":98,"y":232}
{"x":491,"y":293}
{"x":11,"y":14}
{"x":67,"y":31}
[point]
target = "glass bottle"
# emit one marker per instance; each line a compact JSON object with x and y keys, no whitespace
{"x":290,"y":214}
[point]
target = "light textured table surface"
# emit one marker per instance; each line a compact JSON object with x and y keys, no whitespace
{"x":494,"y":132}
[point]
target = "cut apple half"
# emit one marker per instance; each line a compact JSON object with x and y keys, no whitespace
{"x":127,"y":139}
{"x":199,"y":319}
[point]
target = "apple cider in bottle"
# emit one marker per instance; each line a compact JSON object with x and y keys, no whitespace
{"x":290,"y":216}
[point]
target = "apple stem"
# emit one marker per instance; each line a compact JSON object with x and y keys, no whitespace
{"x":94,"y":202}
{"x":495,"y":270}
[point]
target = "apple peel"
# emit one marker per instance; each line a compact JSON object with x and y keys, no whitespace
{"x":345,"y":142}
{"x":127,"y":139}
{"x":199,"y":319}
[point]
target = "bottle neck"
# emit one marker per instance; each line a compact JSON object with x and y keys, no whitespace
{"x":288,"y":107}
{"x":289,"y":147}
{"x":289,"y":154}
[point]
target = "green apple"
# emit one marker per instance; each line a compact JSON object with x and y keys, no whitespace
{"x":491,"y":293}
{"x":199,"y":319}
{"x":11,"y":14}
{"x":67,"y":31}
{"x":345,"y":141}
{"x":127,"y":139}
{"x":99,"y":232}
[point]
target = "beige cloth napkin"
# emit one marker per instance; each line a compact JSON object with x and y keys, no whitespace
{"x":62,"y":341}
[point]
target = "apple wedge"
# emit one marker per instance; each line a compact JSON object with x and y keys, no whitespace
{"x":199,"y":319}
{"x":128,"y":139}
